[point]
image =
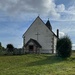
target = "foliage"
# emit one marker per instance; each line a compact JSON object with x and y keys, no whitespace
{"x":64,"y":47}
{"x":10,"y":47}
{"x":2,"y":49}
{"x":0,"y":46}
{"x":18,"y":51}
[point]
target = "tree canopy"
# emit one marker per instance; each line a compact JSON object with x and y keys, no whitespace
{"x":10,"y":47}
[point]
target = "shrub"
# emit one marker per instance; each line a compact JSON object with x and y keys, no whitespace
{"x":64,"y":47}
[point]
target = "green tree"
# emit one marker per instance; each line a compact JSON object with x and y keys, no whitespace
{"x":2,"y":49}
{"x":0,"y":46}
{"x":10,"y":47}
{"x":64,"y":47}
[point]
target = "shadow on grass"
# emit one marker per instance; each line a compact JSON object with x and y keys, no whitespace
{"x":72,"y":59}
{"x":48,"y":60}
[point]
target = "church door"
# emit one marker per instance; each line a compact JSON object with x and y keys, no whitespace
{"x":31,"y":48}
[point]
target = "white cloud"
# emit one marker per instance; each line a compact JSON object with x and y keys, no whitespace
{"x":60,"y":8}
{"x":47,"y":8}
{"x":61,"y":34}
{"x":71,"y":12}
{"x":73,"y":46}
{"x":67,"y":14}
{"x":18,"y":7}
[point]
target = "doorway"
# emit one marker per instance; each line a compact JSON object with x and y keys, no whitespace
{"x":31,"y":48}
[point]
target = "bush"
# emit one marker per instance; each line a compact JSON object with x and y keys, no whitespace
{"x":64,"y":47}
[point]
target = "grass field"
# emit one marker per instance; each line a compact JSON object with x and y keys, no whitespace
{"x":36,"y":64}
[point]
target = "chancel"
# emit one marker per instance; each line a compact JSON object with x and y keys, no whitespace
{"x":39,"y":38}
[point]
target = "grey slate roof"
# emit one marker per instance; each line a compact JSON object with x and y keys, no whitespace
{"x":48,"y":25}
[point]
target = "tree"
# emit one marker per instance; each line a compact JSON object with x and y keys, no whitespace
{"x":10,"y":47}
{"x":0,"y":46}
{"x":2,"y":49}
{"x":64,"y":47}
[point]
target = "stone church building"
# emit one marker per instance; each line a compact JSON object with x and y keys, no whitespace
{"x":39,"y":38}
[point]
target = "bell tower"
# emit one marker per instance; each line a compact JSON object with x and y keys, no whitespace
{"x":49,"y":25}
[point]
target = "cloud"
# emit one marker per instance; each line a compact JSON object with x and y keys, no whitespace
{"x":61,"y":34}
{"x":60,"y":8}
{"x":71,"y":12}
{"x":25,"y":8}
{"x":19,"y":7}
{"x":73,"y":46}
{"x":67,"y":14}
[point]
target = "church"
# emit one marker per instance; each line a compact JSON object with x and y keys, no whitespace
{"x":39,"y":38}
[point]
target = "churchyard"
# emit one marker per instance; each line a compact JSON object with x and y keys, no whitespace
{"x":37,"y":64}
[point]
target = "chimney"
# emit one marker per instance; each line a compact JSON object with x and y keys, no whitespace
{"x":57,"y":33}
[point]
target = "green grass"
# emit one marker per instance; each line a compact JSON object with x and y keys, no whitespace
{"x":36,"y":64}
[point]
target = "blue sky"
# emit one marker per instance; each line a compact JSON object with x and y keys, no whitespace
{"x":17,"y":15}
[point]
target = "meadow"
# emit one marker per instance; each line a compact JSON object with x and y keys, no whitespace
{"x":37,"y":64}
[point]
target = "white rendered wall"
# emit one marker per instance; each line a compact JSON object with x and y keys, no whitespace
{"x":55,"y":42}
